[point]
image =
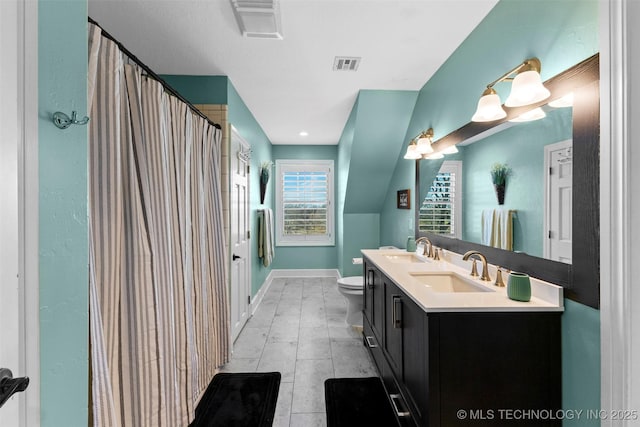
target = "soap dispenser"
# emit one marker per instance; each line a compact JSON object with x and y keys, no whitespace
{"x":411,"y":244}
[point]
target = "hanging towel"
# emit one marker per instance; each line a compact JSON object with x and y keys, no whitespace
{"x":497,"y":228}
{"x":488,"y":223}
{"x":504,"y":229}
{"x":266,"y":246}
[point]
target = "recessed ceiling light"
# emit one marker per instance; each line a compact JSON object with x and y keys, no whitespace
{"x":303,"y":133}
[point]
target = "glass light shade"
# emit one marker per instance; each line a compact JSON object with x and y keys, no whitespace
{"x":526,"y":89}
{"x":529,"y":116}
{"x":434,"y":156}
{"x":412,"y":153}
{"x":450,"y":150}
{"x":565,"y":101}
{"x":424,"y":146}
{"x":489,"y":109}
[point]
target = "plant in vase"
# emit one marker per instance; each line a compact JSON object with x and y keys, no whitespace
{"x":499,"y":174}
{"x":265,"y":171}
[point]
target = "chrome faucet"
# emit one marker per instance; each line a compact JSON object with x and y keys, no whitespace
{"x":428,"y":253}
{"x":485,"y":271}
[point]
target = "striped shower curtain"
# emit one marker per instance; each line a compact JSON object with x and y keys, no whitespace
{"x":159,"y":316}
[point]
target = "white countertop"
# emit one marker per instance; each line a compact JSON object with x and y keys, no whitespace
{"x":544,"y":296}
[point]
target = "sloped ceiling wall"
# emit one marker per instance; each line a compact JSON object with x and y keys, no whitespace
{"x":379,"y":129}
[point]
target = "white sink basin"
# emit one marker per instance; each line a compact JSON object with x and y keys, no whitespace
{"x":404,"y":258}
{"x":449,"y":281}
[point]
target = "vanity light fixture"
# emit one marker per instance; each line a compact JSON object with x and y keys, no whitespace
{"x":412,"y":151}
{"x":425,"y":139}
{"x":489,"y":107}
{"x":419,"y":145}
{"x":527,"y":89}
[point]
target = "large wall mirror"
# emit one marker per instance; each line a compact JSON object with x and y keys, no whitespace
{"x":551,"y":200}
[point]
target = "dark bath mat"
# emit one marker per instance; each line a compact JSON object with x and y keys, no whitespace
{"x":358,"y":402}
{"x":239,"y":400}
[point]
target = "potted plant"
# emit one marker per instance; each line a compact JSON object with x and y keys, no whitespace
{"x":499,"y":174}
{"x":265,"y":170}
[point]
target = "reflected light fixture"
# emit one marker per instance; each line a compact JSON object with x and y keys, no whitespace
{"x":433,"y":156}
{"x":527,"y":89}
{"x":450,"y":150}
{"x":565,"y":101}
{"x":529,"y":116}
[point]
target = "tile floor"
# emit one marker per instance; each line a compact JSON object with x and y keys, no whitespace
{"x":300,"y":331}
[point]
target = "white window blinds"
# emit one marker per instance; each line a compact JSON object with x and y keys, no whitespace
{"x":304,"y":202}
{"x":440,"y":212}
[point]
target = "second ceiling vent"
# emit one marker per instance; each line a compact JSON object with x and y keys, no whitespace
{"x":346,"y":63}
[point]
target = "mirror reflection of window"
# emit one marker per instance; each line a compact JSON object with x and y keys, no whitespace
{"x":441,"y":209}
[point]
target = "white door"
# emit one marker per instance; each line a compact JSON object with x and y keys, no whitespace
{"x":17,"y":222}
{"x":559,"y":167}
{"x":240,"y":238}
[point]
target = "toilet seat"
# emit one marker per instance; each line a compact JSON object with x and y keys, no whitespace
{"x":351,"y":282}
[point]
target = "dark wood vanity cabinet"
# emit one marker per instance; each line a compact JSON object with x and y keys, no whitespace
{"x":374,"y":299}
{"x":500,"y":368}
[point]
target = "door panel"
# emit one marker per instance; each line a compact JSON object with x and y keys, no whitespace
{"x":558,"y":210}
{"x":240,"y":238}
{"x":18,"y":225}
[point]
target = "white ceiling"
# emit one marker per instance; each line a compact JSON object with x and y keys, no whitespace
{"x":289,"y":84}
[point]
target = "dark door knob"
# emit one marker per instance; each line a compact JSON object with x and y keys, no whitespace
{"x":235,"y":257}
{"x":9,"y":385}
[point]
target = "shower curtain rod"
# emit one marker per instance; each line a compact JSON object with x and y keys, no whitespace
{"x":153,"y":75}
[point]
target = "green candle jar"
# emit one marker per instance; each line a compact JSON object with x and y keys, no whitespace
{"x":519,"y":287}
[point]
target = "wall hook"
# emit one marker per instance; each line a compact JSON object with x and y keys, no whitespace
{"x":62,"y":121}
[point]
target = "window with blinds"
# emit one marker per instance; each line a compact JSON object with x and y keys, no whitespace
{"x":304,"y":198}
{"x":440,"y":211}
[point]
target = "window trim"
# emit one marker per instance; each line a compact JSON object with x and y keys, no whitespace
{"x":287,"y":165}
{"x":454,"y":166}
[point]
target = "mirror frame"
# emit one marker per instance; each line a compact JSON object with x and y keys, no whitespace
{"x":581,"y":279}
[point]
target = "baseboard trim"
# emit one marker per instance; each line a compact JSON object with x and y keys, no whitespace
{"x":305,"y":273}
{"x":276,"y":274}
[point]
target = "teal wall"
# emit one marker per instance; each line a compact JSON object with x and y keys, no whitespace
{"x":373,"y":135}
{"x":561,"y":34}
{"x":580,"y":361}
{"x":362,"y":232}
{"x":522,"y":148}
{"x":306,"y":257}
{"x":200,"y":89}
{"x":342,"y":176}
{"x":63,"y":238}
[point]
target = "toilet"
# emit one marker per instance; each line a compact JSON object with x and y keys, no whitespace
{"x":352,"y":288}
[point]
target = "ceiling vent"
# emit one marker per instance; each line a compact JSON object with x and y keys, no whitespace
{"x":346,"y":63}
{"x":258,"y":18}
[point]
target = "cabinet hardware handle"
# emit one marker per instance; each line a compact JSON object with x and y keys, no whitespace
{"x":395,"y":397}
{"x":370,"y":278}
{"x":396,"y":311}
{"x":370,"y":343}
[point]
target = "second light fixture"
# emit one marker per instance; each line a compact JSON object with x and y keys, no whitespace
{"x":526,"y":89}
